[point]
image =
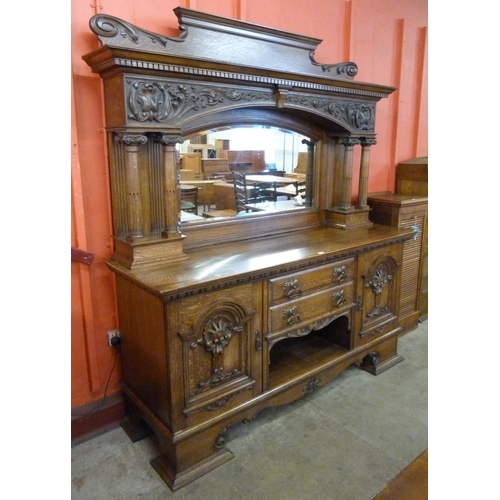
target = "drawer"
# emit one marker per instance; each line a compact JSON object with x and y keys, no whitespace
{"x":293,"y":286}
{"x":303,"y":310}
{"x":210,"y":166}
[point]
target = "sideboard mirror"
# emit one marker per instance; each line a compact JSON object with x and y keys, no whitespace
{"x":260,"y":155}
{"x":168,"y":97}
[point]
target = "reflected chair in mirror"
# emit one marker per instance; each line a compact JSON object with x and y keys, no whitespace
{"x":256,"y":192}
{"x":240,"y":192}
{"x":263,"y":191}
{"x":189,"y":199}
{"x":300,"y":188}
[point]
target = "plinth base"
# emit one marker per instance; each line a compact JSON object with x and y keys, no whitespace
{"x":348,"y":219}
{"x":146,"y":251}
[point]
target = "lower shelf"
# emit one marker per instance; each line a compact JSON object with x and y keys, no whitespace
{"x":293,"y":357}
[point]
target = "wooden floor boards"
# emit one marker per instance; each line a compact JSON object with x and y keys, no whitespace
{"x":410,"y":484}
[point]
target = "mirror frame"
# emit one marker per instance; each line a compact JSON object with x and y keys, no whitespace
{"x":160,"y":90}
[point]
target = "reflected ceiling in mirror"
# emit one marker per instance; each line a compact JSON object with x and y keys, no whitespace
{"x":269,"y":164}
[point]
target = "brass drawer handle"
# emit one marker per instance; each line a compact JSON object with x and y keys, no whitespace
{"x":290,"y":315}
{"x":291,"y":289}
{"x":339,"y":298}
{"x":340,"y":274}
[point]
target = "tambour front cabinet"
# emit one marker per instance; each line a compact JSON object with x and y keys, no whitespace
{"x":223,"y":317}
{"x":407,"y":212}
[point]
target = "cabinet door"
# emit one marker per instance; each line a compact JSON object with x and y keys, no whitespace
{"x":221,"y":349}
{"x":378,"y":288}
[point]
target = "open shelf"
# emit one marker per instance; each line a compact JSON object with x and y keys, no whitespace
{"x":293,"y":357}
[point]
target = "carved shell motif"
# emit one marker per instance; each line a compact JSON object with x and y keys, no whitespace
{"x":217,"y":333}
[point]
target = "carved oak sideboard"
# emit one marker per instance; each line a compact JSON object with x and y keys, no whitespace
{"x":220,"y":319}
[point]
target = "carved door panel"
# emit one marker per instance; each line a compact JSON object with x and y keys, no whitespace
{"x":377,"y":293}
{"x":221,"y":349}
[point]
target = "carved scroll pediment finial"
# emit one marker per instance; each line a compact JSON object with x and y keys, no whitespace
{"x":349,"y":68}
{"x":110,"y":27}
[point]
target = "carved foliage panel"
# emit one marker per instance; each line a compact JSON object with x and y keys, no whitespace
{"x":377,"y":294}
{"x":157,"y":102}
{"x":217,"y":346}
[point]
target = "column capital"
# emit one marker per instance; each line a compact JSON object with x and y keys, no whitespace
{"x":132,"y":139}
{"x":350,"y":141}
{"x":170,"y":139}
{"x":368,"y":141}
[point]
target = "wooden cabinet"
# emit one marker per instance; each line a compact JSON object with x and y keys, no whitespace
{"x":215,"y":167}
{"x":214,"y":340}
{"x":412,"y":180}
{"x":191,"y":162}
{"x":246,"y":160}
{"x":407,"y":212}
{"x":412,"y":177}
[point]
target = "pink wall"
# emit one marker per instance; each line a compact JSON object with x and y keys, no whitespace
{"x":388,"y":42}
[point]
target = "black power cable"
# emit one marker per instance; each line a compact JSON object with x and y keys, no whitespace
{"x":116,"y":348}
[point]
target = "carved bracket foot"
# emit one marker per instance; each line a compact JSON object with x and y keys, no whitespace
{"x":376,"y":365}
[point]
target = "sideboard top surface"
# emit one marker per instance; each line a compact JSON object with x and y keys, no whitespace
{"x":226,"y":265}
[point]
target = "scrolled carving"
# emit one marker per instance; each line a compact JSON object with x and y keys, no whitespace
{"x":163,"y":101}
{"x":105,"y":26}
{"x":358,"y":116}
{"x":345,"y":68}
{"x":132,"y":139}
{"x":311,"y":386}
{"x":170,"y":140}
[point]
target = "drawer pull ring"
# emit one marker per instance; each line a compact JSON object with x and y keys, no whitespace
{"x":290,"y":315}
{"x":291,"y":289}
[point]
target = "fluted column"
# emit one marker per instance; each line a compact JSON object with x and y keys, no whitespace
{"x":171,"y":184}
{"x":135,"y":221}
{"x":345,"y":200}
{"x":364,"y":171}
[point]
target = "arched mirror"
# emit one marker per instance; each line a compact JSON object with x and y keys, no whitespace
{"x":243,"y":170}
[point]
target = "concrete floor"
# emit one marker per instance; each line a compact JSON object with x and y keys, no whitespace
{"x":345,"y":441}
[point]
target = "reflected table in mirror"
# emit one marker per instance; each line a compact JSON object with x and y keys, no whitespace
{"x":267,"y":178}
{"x":187,"y":216}
{"x":274,"y":206}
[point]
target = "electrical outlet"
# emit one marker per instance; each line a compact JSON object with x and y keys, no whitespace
{"x":113,"y":337}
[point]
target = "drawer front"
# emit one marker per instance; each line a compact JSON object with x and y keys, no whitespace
{"x":296,"y":285}
{"x":303,"y":310}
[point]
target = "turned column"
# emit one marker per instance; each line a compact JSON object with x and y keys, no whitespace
{"x":135,"y":221}
{"x":345,"y":200}
{"x":366,"y":143}
{"x":171,"y":185}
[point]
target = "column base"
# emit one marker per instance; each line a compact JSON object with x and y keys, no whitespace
{"x":348,"y":219}
{"x":146,"y":251}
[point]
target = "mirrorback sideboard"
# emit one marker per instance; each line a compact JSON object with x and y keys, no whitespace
{"x":220,"y":319}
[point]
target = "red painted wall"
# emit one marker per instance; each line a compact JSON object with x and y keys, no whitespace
{"x":388,"y":42}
